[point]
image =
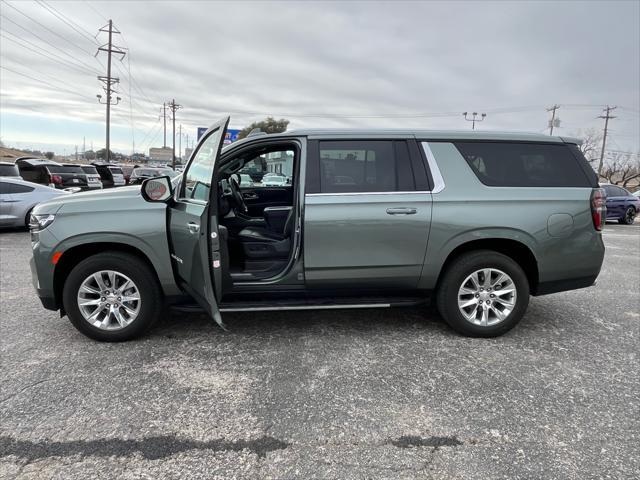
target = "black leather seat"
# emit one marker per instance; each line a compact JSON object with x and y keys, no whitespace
{"x":262,"y":242}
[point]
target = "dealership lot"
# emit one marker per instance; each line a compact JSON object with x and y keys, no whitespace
{"x":327,"y":394}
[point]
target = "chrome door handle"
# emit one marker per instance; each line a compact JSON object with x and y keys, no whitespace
{"x":193,"y":227}
{"x":401,"y":211}
{"x":249,"y":196}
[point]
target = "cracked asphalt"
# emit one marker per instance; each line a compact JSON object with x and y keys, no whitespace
{"x":327,"y":394}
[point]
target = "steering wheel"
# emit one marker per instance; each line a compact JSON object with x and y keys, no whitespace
{"x":237,"y":195}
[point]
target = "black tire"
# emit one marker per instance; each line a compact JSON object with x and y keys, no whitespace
{"x":629,"y":216}
{"x":455,"y":275}
{"x":134,"y":268}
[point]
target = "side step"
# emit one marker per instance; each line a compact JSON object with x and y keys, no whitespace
{"x":310,"y":304}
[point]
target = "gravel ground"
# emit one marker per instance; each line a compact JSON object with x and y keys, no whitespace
{"x":327,"y":394}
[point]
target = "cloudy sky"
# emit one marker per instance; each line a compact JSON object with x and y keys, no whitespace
{"x":319,"y":64}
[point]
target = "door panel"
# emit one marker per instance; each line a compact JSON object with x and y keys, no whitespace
{"x":366,"y":240}
{"x":259,"y":198}
{"x":193,"y":228}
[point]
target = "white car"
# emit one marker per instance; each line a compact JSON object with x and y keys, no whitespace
{"x":18,"y":197}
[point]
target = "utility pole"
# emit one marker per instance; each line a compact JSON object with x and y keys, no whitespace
{"x":552,"y":122}
{"x":173,"y":106}
{"x":109,"y":81}
{"x":76,"y":153}
{"x":606,"y":117}
{"x":474,"y":120}
{"x":164,"y":120}
{"x":84,"y":147}
{"x":180,"y":144}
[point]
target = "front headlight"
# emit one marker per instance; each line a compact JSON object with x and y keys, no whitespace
{"x":40,"y":222}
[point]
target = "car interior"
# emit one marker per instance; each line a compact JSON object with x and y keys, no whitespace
{"x":258,"y":212}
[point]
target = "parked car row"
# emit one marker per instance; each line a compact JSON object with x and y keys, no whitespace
{"x":86,"y":177}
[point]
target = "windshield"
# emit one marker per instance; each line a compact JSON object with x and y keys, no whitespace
{"x":64,"y":169}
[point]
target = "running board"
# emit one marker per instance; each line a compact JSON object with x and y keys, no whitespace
{"x":308,"y":304}
{"x":305,"y":307}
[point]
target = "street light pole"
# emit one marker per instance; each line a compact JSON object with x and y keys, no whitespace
{"x":473,"y":120}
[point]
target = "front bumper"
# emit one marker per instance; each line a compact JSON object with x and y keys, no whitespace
{"x":47,"y":297}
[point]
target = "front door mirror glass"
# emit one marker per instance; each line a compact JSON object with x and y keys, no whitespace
{"x":157,"y":189}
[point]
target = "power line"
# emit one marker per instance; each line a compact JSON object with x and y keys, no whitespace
{"x":46,"y":28}
{"x":74,"y":25}
{"x":48,"y":54}
{"x":71,"y":92}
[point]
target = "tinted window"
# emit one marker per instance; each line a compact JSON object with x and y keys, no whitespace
{"x":90,"y":170}
{"x":502,"y":164}
{"x":357,"y":166}
{"x":9,"y":171}
{"x":116,"y":170}
{"x":7,"y":188}
{"x":64,"y":169}
{"x":197,"y":177}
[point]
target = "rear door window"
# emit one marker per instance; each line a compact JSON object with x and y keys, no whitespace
{"x":504,"y":164}
{"x":359,"y":166}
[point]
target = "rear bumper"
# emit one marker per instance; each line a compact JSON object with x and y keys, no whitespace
{"x":545,"y":288}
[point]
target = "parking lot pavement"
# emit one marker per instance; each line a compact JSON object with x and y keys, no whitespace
{"x":327,"y":394}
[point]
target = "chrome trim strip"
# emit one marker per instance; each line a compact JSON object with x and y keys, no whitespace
{"x":362,"y":193}
{"x":438,"y":181}
{"x":305,"y":307}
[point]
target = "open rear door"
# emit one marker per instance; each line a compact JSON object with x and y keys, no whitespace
{"x":193,"y":224}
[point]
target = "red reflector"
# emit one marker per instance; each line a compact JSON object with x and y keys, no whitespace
{"x":56,"y":257}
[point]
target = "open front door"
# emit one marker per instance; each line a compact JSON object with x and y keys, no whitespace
{"x":193,"y":224}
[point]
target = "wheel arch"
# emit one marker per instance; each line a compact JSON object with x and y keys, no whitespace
{"x":517,"y":251}
{"x":74,"y":255}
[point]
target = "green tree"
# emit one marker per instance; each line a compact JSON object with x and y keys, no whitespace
{"x":49,"y":155}
{"x":268,"y":125}
{"x":90,"y":155}
{"x":102,"y":154}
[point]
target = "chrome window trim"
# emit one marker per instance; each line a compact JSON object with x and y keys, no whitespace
{"x":438,"y":181}
{"x":341,"y":194}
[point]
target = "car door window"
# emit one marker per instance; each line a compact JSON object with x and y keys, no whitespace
{"x":272,"y":169}
{"x":197,"y":177}
{"x":357,"y":166}
{"x":15,"y":188}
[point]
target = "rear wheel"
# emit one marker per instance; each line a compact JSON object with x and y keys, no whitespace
{"x":112,"y":297}
{"x":629,"y":216}
{"x":483,"y":294}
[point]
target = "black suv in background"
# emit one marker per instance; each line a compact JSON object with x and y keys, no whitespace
{"x":53,"y":174}
{"x":110,"y":174}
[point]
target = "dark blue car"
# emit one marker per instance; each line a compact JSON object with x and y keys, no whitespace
{"x":621,"y":205}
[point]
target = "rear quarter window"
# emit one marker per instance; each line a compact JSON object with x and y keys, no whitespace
{"x":503,"y":164}
{"x":9,"y":171}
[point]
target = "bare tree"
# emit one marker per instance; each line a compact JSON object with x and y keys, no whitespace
{"x":591,"y":142}
{"x":622,"y":169}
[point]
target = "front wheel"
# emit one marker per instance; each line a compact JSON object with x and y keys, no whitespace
{"x":628,"y":217}
{"x":112,"y":297}
{"x":483,"y":294}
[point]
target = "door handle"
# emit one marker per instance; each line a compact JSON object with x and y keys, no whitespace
{"x":249,"y":196}
{"x":193,"y":227}
{"x":401,"y":211}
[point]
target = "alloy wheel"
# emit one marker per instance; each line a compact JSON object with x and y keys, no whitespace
{"x":109,"y":300}
{"x":487,"y":297}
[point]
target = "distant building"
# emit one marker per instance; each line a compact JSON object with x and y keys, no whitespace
{"x":280,"y":162}
{"x":163,"y":154}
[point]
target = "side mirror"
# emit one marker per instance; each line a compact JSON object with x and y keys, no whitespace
{"x":157,"y":189}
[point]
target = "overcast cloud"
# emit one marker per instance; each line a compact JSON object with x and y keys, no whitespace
{"x":324,"y":64}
